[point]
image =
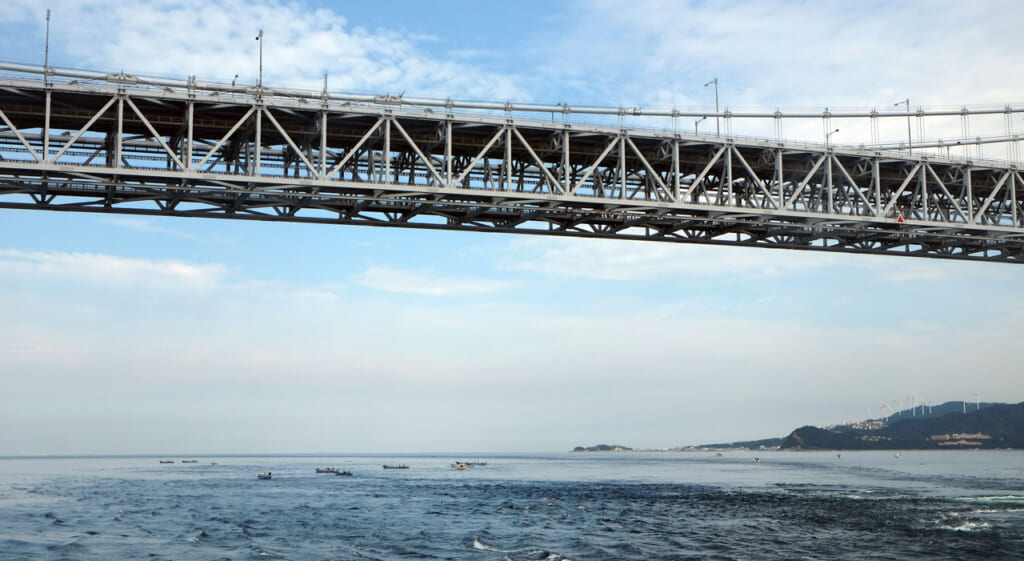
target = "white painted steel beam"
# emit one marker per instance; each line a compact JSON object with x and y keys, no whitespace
{"x":203,"y":153}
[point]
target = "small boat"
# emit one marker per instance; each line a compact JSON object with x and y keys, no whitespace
{"x":266,"y":475}
{"x":327,"y":470}
{"x":190,"y":461}
{"x":395,"y":466}
{"x":166,"y":461}
{"x":343,"y":472}
{"x":462,"y":465}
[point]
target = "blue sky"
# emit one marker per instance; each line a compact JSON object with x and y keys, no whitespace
{"x":168,"y":335}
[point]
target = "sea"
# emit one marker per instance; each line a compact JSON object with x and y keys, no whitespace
{"x":956,"y":505}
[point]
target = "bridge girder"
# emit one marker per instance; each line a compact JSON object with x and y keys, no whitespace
{"x":188,"y":152}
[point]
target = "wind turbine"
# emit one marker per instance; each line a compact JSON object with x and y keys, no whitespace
{"x":885,"y":405}
{"x":912,"y":400}
{"x":921,"y":402}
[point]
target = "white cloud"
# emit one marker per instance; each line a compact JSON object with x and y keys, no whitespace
{"x":216,"y":40}
{"x":627,"y":260}
{"x":108,"y":270}
{"x":665,"y":336}
{"x":929,"y":272}
{"x":781,"y":52}
{"x":322,"y":359}
{"x":799,"y":55}
{"x":652,"y":53}
{"x":210,"y":280}
{"x":146,"y":225}
{"x":405,"y":281}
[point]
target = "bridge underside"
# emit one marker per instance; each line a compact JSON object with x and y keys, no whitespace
{"x":97,"y":147}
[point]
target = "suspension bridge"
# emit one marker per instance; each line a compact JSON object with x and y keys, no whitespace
{"x":117,"y":143}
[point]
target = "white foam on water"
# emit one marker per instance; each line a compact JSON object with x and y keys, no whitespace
{"x":1004,"y":499}
{"x":967,"y":526}
{"x":482,"y":545}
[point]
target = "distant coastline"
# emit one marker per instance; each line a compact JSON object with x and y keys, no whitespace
{"x":605,"y":448}
{"x":737,"y":446}
{"x":953,"y":425}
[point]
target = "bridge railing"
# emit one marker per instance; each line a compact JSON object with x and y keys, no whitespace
{"x":119,"y":143}
{"x":634,"y":119}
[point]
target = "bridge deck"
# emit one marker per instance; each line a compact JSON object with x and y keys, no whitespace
{"x":125,"y":146}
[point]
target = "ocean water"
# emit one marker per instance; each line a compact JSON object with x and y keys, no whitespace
{"x":626,"y":506}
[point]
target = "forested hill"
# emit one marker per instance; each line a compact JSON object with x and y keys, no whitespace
{"x":992,"y":426}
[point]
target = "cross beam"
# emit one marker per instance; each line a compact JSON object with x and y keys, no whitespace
{"x":119,"y":146}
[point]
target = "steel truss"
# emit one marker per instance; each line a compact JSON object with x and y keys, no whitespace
{"x":191,"y":151}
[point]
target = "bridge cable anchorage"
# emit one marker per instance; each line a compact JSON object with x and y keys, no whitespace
{"x":120,"y":143}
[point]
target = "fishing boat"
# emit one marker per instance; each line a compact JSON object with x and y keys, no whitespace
{"x":344,"y":472}
{"x":266,"y":475}
{"x":190,"y":461}
{"x":166,"y":461}
{"x":395,"y":466}
{"x":327,"y":470}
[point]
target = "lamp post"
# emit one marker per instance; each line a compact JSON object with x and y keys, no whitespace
{"x":897,"y":104}
{"x":828,"y":139}
{"x":260,"y":39}
{"x":718,"y":128}
{"x":697,"y":122}
{"x":46,"y":50}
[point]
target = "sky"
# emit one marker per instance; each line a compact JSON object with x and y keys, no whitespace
{"x":153,"y":335}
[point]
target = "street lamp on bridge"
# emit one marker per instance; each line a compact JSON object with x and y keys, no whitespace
{"x":828,"y":139}
{"x":897,"y":104}
{"x":697,"y":122}
{"x":260,"y":39}
{"x":718,"y":128}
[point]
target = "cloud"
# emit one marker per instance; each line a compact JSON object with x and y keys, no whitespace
{"x":647,"y":341}
{"x":772,"y":52}
{"x":654,"y":54}
{"x":620,"y":260}
{"x":216,"y":40}
{"x":108,"y":270}
{"x":146,"y":225}
{"x":919,"y":273}
{"x":799,"y":55}
{"x":405,"y":281}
